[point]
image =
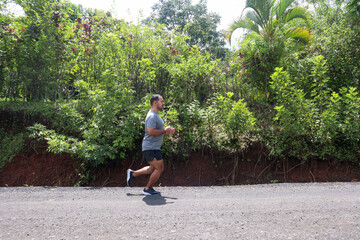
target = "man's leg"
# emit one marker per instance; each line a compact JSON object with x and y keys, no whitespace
{"x":132,"y":174}
{"x":158,"y":166}
{"x":143,"y":171}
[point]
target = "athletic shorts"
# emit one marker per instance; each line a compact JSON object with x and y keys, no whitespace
{"x":151,"y":154}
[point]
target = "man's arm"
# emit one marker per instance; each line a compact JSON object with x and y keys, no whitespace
{"x":157,"y":132}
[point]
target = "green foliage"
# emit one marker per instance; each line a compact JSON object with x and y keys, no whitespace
{"x":94,"y":75}
{"x":339,"y":127}
{"x":271,"y":25}
{"x":294,"y":118}
{"x":353,"y":10}
{"x":106,"y":127}
{"x":10,"y":146}
{"x":339,"y":43}
{"x":269,"y":18}
{"x":38,"y":51}
{"x":68,"y":119}
{"x":239,"y":120}
{"x":107,"y":66}
{"x":320,"y":89}
{"x":235,"y":123}
{"x":194,"y":77}
{"x":223,"y":124}
{"x":326,"y":124}
{"x":193,"y":20}
{"x":257,"y":60}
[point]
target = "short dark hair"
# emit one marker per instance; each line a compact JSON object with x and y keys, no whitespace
{"x":154,"y":98}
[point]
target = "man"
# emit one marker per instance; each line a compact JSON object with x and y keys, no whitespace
{"x":151,"y":144}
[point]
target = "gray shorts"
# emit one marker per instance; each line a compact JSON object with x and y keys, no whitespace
{"x":151,"y":154}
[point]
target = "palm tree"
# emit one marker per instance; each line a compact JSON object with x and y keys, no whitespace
{"x":268,"y":17}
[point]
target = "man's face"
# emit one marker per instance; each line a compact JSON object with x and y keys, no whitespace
{"x":160,"y":104}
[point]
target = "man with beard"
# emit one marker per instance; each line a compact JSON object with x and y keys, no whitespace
{"x":151,"y":144}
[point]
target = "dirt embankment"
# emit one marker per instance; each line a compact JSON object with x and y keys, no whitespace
{"x":35,"y":166}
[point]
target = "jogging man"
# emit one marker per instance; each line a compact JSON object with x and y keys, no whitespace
{"x":151,"y":144}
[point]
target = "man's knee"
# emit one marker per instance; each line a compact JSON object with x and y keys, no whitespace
{"x":150,"y":170}
{"x":161,"y":168}
{"x":158,"y":165}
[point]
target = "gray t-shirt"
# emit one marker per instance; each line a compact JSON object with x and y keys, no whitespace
{"x":152,"y":142}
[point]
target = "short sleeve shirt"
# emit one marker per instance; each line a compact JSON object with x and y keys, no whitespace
{"x":152,"y":142}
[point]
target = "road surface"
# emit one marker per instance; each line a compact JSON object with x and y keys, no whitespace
{"x":274,"y":211}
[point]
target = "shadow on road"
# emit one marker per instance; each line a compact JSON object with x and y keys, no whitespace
{"x":154,"y":200}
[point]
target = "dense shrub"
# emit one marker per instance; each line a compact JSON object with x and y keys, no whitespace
{"x":322,"y":125}
{"x":95,"y":74}
{"x":10,"y":146}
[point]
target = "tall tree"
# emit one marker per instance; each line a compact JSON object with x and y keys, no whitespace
{"x":353,"y":8}
{"x":268,"y":17}
{"x":193,"y":20}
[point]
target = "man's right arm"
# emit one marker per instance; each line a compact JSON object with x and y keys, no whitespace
{"x":157,"y":132}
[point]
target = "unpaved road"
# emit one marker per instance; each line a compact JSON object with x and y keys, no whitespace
{"x":275,"y":211}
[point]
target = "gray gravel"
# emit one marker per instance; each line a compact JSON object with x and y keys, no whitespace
{"x":274,"y":211}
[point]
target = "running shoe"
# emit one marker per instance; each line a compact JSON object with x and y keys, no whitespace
{"x":129,"y":177}
{"x":149,"y":192}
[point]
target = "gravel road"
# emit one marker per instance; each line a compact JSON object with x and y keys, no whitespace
{"x":274,"y":211}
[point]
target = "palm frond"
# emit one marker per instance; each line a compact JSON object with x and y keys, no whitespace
{"x":255,"y":18}
{"x":297,"y":12}
{"x":298,"y":33}
{"x":266,"y":17}
{"x":262,"y":8}
{"x":282,"y":6}
{"x":241,"y":23}
{"x":254,"y":6}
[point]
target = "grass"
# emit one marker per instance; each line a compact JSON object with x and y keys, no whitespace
{"x":10,"y":146}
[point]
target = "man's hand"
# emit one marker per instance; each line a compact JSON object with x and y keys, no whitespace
{"x":169,"y":130}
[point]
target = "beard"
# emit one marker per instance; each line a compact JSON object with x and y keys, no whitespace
{"x":160,"y":106}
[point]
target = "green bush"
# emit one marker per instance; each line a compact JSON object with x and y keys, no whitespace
{"x":222,"y":124}
{"x":294,"y":119}
{"x":258,"y":59}
{"x":107,"y":127}
{"x":10,"y":146}
{"x":238,"y":122}
{"x":323,"y":125}
{"x":94,"y":75}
